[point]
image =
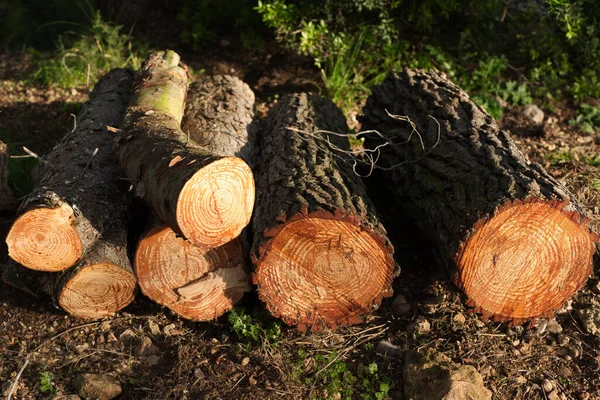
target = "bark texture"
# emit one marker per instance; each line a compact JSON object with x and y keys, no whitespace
{"x":7,"y":199}
{"x":77,"y":198}
{"x":206,"y":198}
{"x":321,"y":256}
{"x":218,"y":115}
{"x":486,"y":209}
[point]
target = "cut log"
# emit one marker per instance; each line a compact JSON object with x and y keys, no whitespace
{"x":513,"y":238}
{"x":101,"y":284}
{"x":7,"y":199}
{"x":321,"y":257}
{"x":218,"y":114}
{"x":206,"y":198}
{"x":202,"y":283}
{"x":197,"y":282}
{"x":77,"y":199}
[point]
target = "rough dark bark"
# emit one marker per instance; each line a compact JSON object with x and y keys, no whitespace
{"x":77,"y":198}
{"x":7,"y":199}
{"x":475,"y":195}
{"x":202,"y":282}
{"x":98,"y":286}
{"x":321,"y":256}
{"x":218,"y":115}
{"x":206,"y":198}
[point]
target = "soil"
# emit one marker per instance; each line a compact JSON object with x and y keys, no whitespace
{"x":210,"y":361}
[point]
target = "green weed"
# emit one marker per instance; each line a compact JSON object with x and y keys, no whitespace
{"x":588,"y":118}
{"x":254,"y":328}
{"x":20,"y":179}
{"x":46,"y":383}
{"x":82,"y":59}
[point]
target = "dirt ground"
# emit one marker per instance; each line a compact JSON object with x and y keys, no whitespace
{"x":210,"y":361}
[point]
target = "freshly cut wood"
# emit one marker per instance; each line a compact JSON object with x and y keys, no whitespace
{"x":218,"y":115}
{"x":322,"y":258}
{"x":101,"y":284}
{"x":202,"y":282}
{"x":8,"y":202}
{"x":197,"y":282}
{"x":206,"y":198}
{"x":77,"y":199}
{"x":514,"y":239}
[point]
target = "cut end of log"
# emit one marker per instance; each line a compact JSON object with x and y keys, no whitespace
{"x":216,"y":203}
{"x":44,"y":239}
{"x":198,"y":283}
{"x":98,"y":291}
{"x":525,"y":261}
{"x":323,"y":272}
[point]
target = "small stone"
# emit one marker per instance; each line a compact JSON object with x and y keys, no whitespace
{"x":590,"y":320}
{"x":479,"y":323}
{"x":400,"y":306}
{"x":553,"y":395}
{"x":534,"y":114}
{"x":388,"y":349}
{"x":96,"y":386}
{"x":110,"y":337}
{"x":105,"y":326}
{"x":245,"y":361}
{"x":100,"y":339}
{"x":153,"y":328}
{"x":127,"y":335}
{"x":170,"y":330}
{"x":152,"y":360}
{"x":547,"y":385}
{"x":562,"y":339}
{"x":420,"y":327}
{"x":553,"y":326}
{"x":145,"y":348}
{"x":521,"y":380}
{"x":459,"y":319}
{"x":573,"y":351}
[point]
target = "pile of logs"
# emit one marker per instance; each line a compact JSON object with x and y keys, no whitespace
{"x":513,"y":238}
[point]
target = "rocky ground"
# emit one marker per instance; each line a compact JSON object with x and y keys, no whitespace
{"x":421,"y":342}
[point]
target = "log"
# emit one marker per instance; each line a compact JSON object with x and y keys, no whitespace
{"x":197,"y":282}
{"x":218,"y":115}
{"x":202,"y":282}
{"x":513,"y":238}
{"x":8,"y":202}
{"x":98,"y":286}
{"x":321,"y":257}
{"x":77,"y":198}
{"x":205,"y":198}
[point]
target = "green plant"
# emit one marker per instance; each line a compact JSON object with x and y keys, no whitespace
{"x":81,"y":59}
{"x":253,"y":329}
{"x":588,"y":118}
{"x":20,"y":178}
{"x":46,"y":385}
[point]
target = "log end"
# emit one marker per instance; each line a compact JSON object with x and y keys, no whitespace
{"x":97,"y":291}
{"x":44,"y":239}
{"x":525,"y":261}
{"x":197,"y":283}
{"x":216,"y":203}
{"x":318,"y":271}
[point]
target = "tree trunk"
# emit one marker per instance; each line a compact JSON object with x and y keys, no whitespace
{"x":197,"y":282}
{"x":77,"y":199}
{"x":202,"y":282}
{"x":512,"y":237}
{"x":321,"y":256}
{"x":218,"y":116}
{"x":206,"y":198}
{"x":7,"y":199}
{"x":98,"y":286}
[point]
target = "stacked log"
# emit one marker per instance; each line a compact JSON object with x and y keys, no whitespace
{"x":73,"y":225}
{"x":514,"y":239}
{"x":204,"y":197}
{"x":321,"y":257}
{"x":197,"y":281}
